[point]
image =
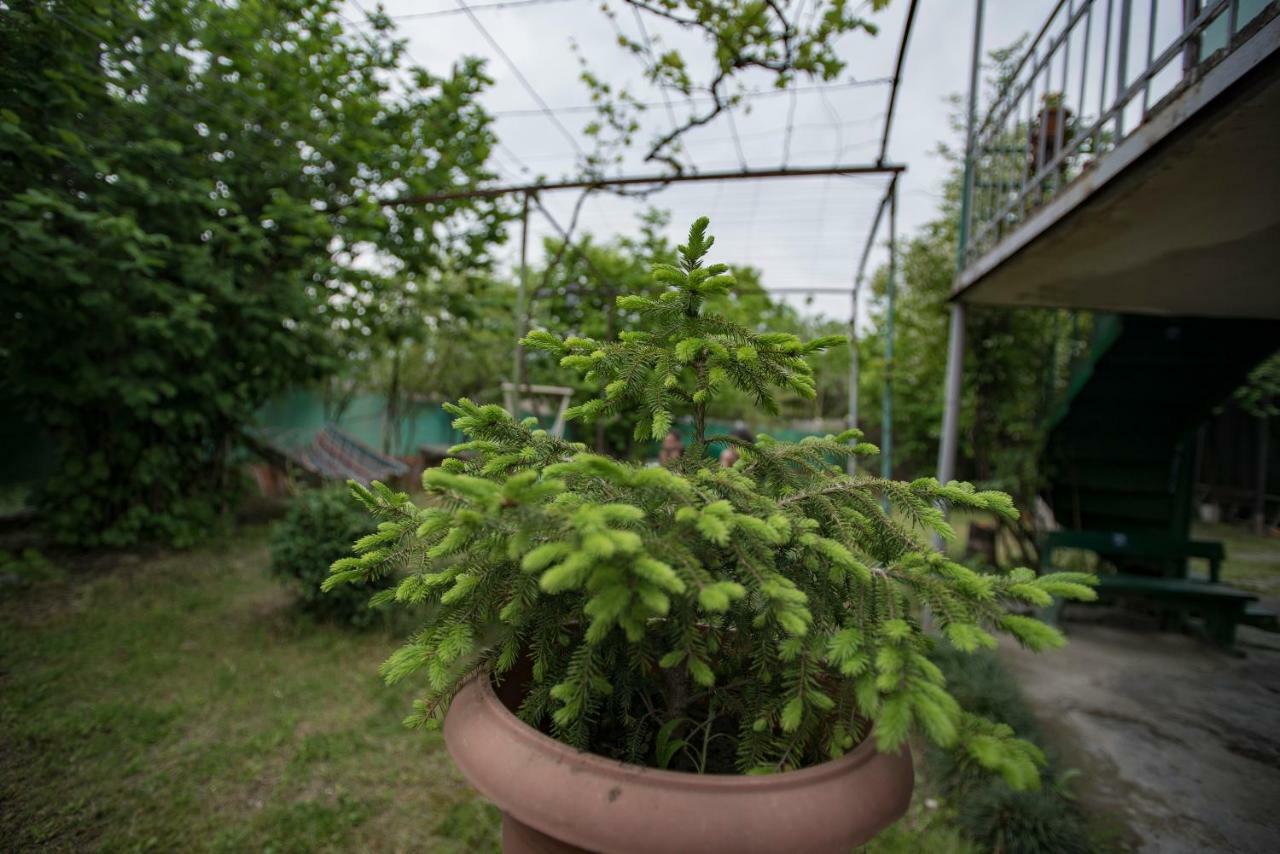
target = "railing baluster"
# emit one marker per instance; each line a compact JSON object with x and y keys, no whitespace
{"x":1023,"y":154}
{"x":1028,"y":167}
{"x":1151,"y":52}
{"x":1084,"y":61}
{"x":1122,"y":63}
{"x":1191,"y":52}
{"x":1106,"y":66}
{"x":1061,"y":129}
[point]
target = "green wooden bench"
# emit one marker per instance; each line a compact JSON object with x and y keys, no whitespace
{"x":1157,"y":548}
{"x":1220,"y":607}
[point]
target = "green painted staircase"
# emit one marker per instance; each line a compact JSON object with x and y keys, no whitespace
{"x":1121,"y":450}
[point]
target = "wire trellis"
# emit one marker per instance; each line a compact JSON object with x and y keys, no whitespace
{"x":780,"y":188}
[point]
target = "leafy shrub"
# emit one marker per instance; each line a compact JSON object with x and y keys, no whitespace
{"x":696,"y":617}
{"x":1027,"y":822}
{"x":987,"y":810}
{"x":319,"y":529}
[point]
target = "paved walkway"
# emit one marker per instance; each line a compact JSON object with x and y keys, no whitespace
{"x":1178,"y":743}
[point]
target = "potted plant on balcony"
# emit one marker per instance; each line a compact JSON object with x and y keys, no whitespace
{"x":1051,"y":132}
{"x":692,"y":657}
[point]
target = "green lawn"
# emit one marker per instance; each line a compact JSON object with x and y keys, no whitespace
{"x":179,"y":702}
{"x":1253,"y":562}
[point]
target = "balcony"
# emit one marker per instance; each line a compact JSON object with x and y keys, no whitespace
{"x":1131,"y":162}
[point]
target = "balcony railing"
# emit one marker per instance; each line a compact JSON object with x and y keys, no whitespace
{"x":1091,"y":76}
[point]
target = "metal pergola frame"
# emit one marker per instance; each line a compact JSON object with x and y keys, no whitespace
{"x":529,"y":193}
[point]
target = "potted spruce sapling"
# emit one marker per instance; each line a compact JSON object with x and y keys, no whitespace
{"x":636,"y":659}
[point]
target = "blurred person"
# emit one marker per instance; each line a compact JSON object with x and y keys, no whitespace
{"x":730,"y":454}
{"x":672,"y":448}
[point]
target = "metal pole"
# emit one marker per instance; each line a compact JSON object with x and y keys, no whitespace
{"x":951,"y":406}
{"x":631,"y":180}
{"x":891,"y":288}
{"x":955,"y":345}
{"x":522,"y":311}
{"x":858,"y":278}
{"x":851,"y":464}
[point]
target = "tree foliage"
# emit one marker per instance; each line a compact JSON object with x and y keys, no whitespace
{"x":575,"y":295}
{"x":777,"y":41}
{"x":196,"y":203}
{"x":1015,"y":360}
{"x":754,"y":619}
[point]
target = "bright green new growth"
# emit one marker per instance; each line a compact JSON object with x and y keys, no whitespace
{"x":754,"y":619}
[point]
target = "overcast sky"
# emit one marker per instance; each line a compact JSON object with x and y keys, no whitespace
{"x":801,"y":232}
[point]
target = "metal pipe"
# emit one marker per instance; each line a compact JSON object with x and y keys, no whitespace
{"x":897,"y":80}
{"x":952,"y":389}
{"x":852,"y":410}
{"x":966,"y":191}
{"x":521,"y":318}
{"x":955,"y":343}
{"x":891,"y":289}
{"x":624,"y":181}
{"x":851,"y":463}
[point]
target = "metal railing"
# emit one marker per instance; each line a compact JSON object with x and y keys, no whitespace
{"x":1077,"y":92}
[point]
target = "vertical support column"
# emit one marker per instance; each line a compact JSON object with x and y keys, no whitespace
{"x":951,"y":406}
{"x":851,"y":464}
{"x":518,"y":374}
{"x":955,"y":344}
{"x":891,"y":293}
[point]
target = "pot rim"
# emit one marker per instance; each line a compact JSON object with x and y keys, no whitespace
{"x":864,"y":752}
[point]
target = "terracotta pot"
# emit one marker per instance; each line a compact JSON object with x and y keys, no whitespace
{"x":556,"y":799}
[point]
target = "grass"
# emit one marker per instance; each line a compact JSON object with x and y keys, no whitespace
{"x":181,"y":702}
{"x":1252,"y":563}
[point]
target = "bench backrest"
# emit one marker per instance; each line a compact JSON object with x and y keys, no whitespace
{"x":1133,"y":545}
{"x":1144,"y":553}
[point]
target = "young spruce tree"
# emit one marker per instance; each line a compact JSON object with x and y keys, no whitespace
{"x":753,"y":619}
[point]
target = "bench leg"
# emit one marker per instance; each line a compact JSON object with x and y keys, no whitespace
{"x":1220,"y":626}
